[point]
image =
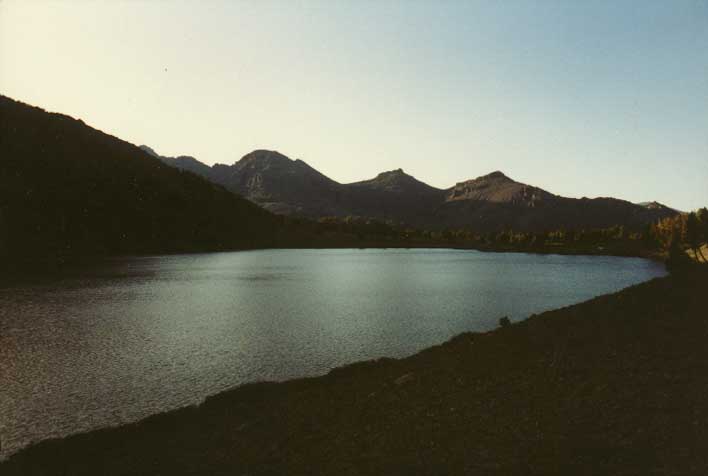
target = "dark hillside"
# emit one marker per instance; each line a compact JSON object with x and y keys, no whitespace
{"x":69,"y":190}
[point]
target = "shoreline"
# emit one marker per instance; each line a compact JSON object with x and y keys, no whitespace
{"x":401,"y":383}
{"x":31,"y":269}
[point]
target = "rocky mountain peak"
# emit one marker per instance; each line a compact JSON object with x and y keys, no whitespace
{"x":264,"y":157}
{"x":497,"y":187}
{"x":654,"y":205}
{"x":396,"y":174}
{"x":496,"y":175}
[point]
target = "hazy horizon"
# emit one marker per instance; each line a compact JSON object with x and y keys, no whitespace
{"x":602,"y":99}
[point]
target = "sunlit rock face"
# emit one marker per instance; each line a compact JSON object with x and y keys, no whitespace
{"x":498,"y":188}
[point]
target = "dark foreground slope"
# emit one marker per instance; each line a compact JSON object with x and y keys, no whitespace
{"x":69,"y":190}
{"x":615,"y":385}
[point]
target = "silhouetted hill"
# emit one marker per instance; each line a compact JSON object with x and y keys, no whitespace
{"x":184,"y":162}
{"x":492,"y":202}
{"x":67,"y":190}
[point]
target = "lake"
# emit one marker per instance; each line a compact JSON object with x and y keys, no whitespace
{"x":115,"y":342}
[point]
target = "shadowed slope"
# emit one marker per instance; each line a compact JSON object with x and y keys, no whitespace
{"x":69,"y":190}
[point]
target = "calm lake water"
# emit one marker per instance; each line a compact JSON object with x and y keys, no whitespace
{"x":132,"y":337}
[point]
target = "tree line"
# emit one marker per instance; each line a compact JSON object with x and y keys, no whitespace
{"x":682,"y":232}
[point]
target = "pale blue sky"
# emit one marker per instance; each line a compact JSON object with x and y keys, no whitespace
{"x":601,"y":98}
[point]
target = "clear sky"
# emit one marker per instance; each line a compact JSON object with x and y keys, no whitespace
{"x":597,"y":98}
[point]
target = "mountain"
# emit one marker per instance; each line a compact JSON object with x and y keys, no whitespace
{"x":498,"y":188}
{"x":270,"y":179}
{"x":495,"y":202}
{"x":657,"y":206}
{"x":292,"y":187}
{"x":393,"y":196}
{"x":492,"y":202}
{"x":281,"y":185}
{"x":68,"y":190}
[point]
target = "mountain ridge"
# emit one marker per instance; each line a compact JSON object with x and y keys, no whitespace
{"x":490,"y":202}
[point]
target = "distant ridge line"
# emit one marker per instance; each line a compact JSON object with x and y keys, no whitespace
{"x":489,"y":202}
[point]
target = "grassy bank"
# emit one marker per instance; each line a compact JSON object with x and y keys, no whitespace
{"x":615,"y":385}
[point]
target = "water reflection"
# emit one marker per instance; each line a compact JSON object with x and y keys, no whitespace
{"x":108,"y":344}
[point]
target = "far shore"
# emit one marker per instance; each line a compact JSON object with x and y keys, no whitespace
{"x":46,"y":267}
